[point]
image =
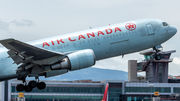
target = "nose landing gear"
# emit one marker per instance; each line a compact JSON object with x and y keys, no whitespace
{"x":156,"y":55}
{"x":29,"y":87}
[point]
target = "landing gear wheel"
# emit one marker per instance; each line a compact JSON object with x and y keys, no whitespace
{"x":157,"y":57}
{"x":28,"y":88}
{"x":20,"y":87}
{"x":41,"y":85}
{"x":32,"y":84}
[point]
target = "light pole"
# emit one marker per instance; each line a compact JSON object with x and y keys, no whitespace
{"x":151,"y":85}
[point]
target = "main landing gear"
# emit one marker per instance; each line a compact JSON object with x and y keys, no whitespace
{"x":29,"y":87}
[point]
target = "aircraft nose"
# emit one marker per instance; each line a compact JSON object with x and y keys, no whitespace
{"x":174,"y":30}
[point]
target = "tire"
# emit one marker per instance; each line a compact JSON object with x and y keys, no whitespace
{"x":158,"y":57}
{"x":20,"y":87}
{"x":41,"y":85}
{"x":32,"y":84}
{"x":28,"y":88}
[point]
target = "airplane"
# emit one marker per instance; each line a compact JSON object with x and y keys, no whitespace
{"x":57,"y":55}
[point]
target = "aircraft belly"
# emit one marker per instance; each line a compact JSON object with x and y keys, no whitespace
{"x":145,"y":42}
{"x":101,"y":50}
{"x":119,"y":47}
{"x":101,"y":54}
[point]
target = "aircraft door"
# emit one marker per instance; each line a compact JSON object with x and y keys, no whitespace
{"x":150,"y":29}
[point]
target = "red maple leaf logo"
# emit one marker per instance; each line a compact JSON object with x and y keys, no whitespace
{"x":130,"y":26}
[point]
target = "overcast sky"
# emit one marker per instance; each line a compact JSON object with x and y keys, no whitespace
{"x":35,"y":19}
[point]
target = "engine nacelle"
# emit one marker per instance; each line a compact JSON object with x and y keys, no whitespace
{"x":77,"y":60}
{"x":82,"y":59}
{"x":55,"y":72}
{"x":64,"y":64}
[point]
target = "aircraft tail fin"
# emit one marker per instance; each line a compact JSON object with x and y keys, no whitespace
{"x":105,"y":93}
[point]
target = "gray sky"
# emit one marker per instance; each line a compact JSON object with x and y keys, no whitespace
{"x":36,"y":19}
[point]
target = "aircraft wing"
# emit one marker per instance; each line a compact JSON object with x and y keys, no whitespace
{"x":22,"y":52}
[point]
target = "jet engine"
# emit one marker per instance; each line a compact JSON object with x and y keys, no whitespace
{"x":77,"y":60}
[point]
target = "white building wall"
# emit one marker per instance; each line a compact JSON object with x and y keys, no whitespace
{"x":2,"y":91}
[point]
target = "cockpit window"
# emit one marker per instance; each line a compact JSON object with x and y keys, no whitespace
{"x":164,"y":23}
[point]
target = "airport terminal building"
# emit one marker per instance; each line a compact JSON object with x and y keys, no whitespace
{"x":87,"y":90}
